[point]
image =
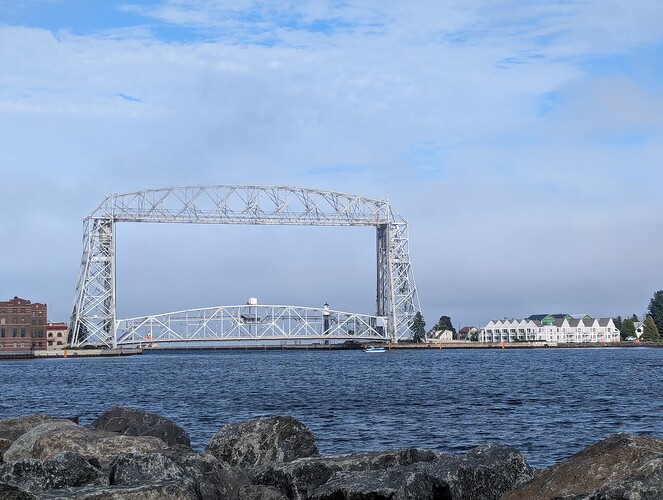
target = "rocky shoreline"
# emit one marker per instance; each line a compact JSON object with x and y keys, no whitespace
{"x":132,"y":454}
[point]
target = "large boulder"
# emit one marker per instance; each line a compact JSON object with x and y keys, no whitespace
{"x":214,"y":479}
{"x":156,"y":491}
{"x":65,"y":470}
{"x":397,"y":483}
{"x":259,"y":492}
{"x":12,"y":428}
{"x":614,"y":466}
{"x":263,"y":440}
{"x":140,"y":468}
{"x":134,"y":422}
{"x":23,"y":446}
{"x":301,"y":477}
{"x":210,"y":478}
{"x":483,"y":473}
{"x":487,"y":472}
{"x":51,"y":438}
{"x":9,"y":492}
{"x":645,"y":484}
{"x":4,"y":446}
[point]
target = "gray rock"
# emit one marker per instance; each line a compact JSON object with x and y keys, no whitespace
{"x":135,"y":422}
{"x":263,"y":440}
{"x":645,"y":484}
{"x":257,"y":492}
{"x":140,"y":468}
{"x":157,"y":491}
{"x":483,"y":473}
{"x":12,"y":428}
{"x":51,"y":438}
{"x":607,"y":469}
{"x":8,"y":492}
{"x":397,"y":483}
{"x":486,"y":472}
{"x":210,"y":478}
{"x":4,"y":446}
{"x":23,"y":446}
{"x":65,"y":470}
{"x":214,"y":479}
{"x":301,"y":477}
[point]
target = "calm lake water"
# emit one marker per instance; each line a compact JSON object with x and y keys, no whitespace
{"x":548,"y":403}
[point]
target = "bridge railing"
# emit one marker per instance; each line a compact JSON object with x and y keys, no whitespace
{"x":259,"y":323}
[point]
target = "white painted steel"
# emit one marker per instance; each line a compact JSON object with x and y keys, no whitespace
{"x":94,"y":313}
{"x":260,"y":323}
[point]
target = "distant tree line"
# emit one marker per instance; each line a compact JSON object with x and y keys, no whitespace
{"x":652,"y":325}
{"x":418,"y":327}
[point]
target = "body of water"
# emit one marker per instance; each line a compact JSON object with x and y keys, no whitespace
{"x":548,"y":403}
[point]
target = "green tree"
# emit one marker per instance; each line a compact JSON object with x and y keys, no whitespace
{"x":618,"y":322}
{"x":651,"y":333}
{"x":444,"y":323}
{"x":628,"y":329}
{"x":656,"y":309}
{"x":418,"y":328}
{"x":635,"y":318}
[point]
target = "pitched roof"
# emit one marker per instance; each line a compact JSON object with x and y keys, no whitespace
{"x":539,"y":317}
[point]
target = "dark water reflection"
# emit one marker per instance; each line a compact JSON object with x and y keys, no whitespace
{"x":548,"y":403}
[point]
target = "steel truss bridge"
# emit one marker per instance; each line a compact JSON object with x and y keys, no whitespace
{"x":94,"y":319}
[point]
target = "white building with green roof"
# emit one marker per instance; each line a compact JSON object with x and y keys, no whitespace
{"x":561,"y":328}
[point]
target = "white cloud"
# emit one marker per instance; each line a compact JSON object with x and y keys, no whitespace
{"x":438,"y":105}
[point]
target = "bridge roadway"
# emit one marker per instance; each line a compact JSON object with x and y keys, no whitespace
{"x":252,"y":322}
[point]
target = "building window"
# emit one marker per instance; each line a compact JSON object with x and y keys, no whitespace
{"x":22,"y":332}
{"x":2,"y":332}
{"x":41,"y":333}
{"x":34,"y":333}
{"x":14,"y":332}
{"x":59,"y":334}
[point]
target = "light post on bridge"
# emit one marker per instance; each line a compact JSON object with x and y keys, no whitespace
{"x":325,"y":318}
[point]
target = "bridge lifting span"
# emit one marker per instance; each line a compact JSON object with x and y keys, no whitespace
{"x":94,"y":318}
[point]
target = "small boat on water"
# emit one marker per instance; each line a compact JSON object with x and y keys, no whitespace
{"x":371,"y":348}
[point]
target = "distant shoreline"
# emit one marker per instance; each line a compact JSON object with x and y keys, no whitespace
{"x":90,"y":353}
{"x":402,"y":346}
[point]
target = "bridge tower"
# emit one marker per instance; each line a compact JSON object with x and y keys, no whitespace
{"x":94,"y":318}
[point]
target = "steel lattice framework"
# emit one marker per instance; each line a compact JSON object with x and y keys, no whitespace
{"x":251,"y":322}
{"x":94,"y":318}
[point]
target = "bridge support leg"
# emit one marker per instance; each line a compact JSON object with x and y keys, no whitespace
{"x":385,"y":304}
{"x":93,"y":315}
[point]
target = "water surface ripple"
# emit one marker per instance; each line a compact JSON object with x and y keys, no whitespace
{"x":548,"y":403}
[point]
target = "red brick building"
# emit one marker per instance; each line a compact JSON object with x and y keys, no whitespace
{"x":22,"y":325}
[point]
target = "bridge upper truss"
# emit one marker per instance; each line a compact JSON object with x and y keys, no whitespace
{"x":94,"y":318}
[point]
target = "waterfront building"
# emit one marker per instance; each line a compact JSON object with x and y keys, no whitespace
{"x":551,"y":328}
{"x":22,"y":325}
{"x":639,"y":328}
{"x":467,"y":332}
{"x":56,"y":336}
{"x":440,"y":336}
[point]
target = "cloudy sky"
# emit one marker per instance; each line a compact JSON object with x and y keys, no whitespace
{"x":521,"y":139}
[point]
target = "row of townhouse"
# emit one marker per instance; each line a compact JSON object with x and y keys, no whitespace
{"x":551,"y":328}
